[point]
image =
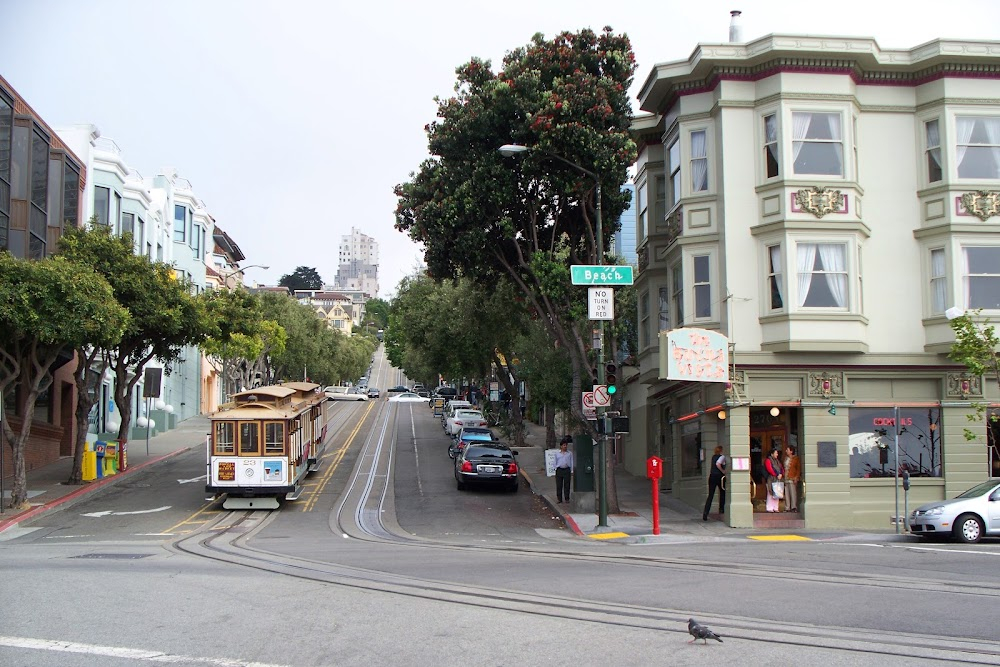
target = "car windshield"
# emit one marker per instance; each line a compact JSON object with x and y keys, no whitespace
{"x":468,"y":413}
{"x":979,"y":489}
{"x":488,"y":453}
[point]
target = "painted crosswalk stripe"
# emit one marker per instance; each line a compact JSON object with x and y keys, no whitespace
{"x":121,"y":652}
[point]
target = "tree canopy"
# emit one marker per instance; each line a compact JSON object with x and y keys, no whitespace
{"x":482,"y":215}
{"x":302,"y":278}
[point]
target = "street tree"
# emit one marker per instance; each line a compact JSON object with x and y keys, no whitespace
{"x":48,"y":309}
{"x":302,"y":278}
{"x":377,"y":312}
{"x":978,"y":348}
{"x":482,"y":215}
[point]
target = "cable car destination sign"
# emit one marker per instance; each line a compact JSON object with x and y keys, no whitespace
{"x":583,"y":274}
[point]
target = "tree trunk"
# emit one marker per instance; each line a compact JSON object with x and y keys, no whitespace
{"x":87,"y":378}
{"x":550,"y":427}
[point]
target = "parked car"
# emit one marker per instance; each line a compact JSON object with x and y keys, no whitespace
{"x":345,"y":394}
{"x":373,"y":392}
{"x":446,"y":391}
{"x":398,"y":389}
{"x":469,"y":434}
{"x":407,"y":397}
{"x":966,"y":517}
{"x":358,"y":394}
{"x":487,"y":463}
{"x":460,"y":418}
{"x":449,"y":410}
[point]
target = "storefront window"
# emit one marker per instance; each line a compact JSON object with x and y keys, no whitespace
{"x":873,"y":441}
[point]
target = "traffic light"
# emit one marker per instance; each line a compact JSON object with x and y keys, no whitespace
{"x":611,"y":377}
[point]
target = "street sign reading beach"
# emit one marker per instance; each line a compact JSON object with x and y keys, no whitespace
{"x":583,"y":274}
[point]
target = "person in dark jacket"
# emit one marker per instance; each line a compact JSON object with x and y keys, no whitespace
{"x":775,"y":477}
{"x":716,"y":480}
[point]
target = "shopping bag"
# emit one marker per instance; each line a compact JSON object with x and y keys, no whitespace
{"x":778,"y":490}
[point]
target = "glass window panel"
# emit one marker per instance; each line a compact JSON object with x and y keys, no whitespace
{"x":225,"y":438}
{"x":249,"y":438}
{"x":822,"y":275}
{"x":774,"y":278}
{"x":274,"y":438}
{"x":771,"y":163}
{"x":872,"y":442}
{"x":817,"y":146}
{"x":53,"y":208}
{"x":128,"y":223}
{"x":691,"y":448}
{"x":664,"y":303}
{"x":699,"y":161}
{"x":674,"y":156}
{"x":102,"y":205}
{"x":982,"y":277}
{"x":939,"y":283}
{"x":39,"y":170}
{"x":933,"y":134}
{"x":977,"y":146}
{"x":6,"y":123}
{"x":180,"y":223}
{"x":71,"y":195}
{"x":20,"y":159}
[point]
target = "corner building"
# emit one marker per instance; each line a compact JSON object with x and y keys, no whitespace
{"x":821,"y":202}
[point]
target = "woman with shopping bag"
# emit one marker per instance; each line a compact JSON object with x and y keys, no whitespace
{"x":775,"y":480}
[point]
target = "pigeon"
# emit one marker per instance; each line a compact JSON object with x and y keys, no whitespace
{"x":701,"y":632}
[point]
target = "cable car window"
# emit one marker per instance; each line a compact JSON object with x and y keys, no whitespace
{"x":249,"y":438}
{"x":225,"y":438}
{"x":274,"y":438}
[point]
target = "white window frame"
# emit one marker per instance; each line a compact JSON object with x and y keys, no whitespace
{"x":794,"y":298}
{"x":674,"y":179}
{"x":933,"y":149}
{"x":966,"y":276}
{"x":775,"y":277}
{"x":677,"y":294}
{"x":642,"y":205}
{"x":963,"y":140}
{"x":663,"y":308}
{"x":797,"y":127}
{"x":698,"y":162}
{"x":937,"y":270}
{"x":659,"y":197}
{"x":700,"y":284}
{"x":775,"y":143}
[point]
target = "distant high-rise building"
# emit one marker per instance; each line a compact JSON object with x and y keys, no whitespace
{"x":357,"y":266}
{"x":624,"y":239}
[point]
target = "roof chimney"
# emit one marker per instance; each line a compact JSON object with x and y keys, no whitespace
{"x":735,"y":28}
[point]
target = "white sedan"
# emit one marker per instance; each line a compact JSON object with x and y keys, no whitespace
{"x":462,"y":418}
{"x":408,"y":397}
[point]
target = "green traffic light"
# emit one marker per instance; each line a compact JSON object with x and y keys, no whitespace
{"x":612,"y":389}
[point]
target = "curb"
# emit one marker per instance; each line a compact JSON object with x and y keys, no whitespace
{"x":566,"y":518}
{"x":87,"y":488}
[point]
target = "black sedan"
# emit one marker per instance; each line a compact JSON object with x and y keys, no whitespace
{"x":468,"y":434}
{"x":486,"y":463}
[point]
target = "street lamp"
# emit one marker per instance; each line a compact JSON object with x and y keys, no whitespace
{"x":240,"y":269}
{"x":512,"y":150}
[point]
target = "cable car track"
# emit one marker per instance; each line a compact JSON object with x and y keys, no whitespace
{"x":361,"y":514}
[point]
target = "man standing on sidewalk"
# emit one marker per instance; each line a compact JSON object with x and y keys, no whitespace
{"x":564,"y":469}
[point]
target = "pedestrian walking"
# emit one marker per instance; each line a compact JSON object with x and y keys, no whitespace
{"x":716,"y":480}
{"x":564,"y":469}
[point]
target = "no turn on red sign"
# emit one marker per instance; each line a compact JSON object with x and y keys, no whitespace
{"x":589,"y":410}
{"x":602,"y":398}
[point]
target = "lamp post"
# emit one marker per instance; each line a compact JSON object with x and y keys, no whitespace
{"x":509,"y":150}
{"x":240,"y":269}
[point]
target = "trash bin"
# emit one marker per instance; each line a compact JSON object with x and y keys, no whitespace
{"x":88,"y":470}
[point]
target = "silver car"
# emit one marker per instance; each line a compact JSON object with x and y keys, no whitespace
{"x":967,"y":517}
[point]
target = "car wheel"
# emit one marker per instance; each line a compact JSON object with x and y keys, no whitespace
{"x":968,"y":528}
{"x":460,"y":485}
{"x":512,"y":488}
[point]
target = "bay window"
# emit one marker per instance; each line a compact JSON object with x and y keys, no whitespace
{"x":674,"y":165}
{"x":677,"y":294}
{"x":102,"y":205}
{"x":939,"y":281}
{"x":822,"y":275}
{"x":664,"y":304}
{"x":977,"y":146}
{"x":774,"y":277}
{"x":180,"y":223}
{"x":817,"y":143}
{"x":702,"y":287}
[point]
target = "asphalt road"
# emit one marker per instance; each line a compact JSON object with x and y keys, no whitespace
{"x":384,"y":561}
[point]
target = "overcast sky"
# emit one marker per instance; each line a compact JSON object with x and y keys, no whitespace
{"x":293,"y":120}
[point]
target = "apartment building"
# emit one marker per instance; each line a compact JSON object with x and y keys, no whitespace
{"x":821,"y":202}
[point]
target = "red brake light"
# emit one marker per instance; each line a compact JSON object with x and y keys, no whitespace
{"x":466,"y":466}
{"x":458,"y":423}
{"x":511,"y":469}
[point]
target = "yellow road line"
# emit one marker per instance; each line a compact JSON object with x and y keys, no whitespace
{"x":779,"y":538}
{"x":332,"y":466}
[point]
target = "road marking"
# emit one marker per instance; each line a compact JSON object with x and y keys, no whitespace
{"x":122,"y":652}
{"x":779,"y":538}
{"x":607,"y":536}
{"x":193,"y":479}
{"x":113,"y":513}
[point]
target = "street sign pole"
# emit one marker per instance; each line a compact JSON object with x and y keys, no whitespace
{"x":601,"y":453}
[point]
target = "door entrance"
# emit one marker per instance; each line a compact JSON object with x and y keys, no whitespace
{"x":766,"y":436}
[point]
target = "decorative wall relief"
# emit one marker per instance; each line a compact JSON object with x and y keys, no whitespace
{"x":963,"y":385}
{"x":820,"y":201}
{"x":983,"y":204}
{"x":825,"y":384}
{"x":675,"y":226}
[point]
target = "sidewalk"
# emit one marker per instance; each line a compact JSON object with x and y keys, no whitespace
{"x":678,"y":523}
{"x":47,"y":488}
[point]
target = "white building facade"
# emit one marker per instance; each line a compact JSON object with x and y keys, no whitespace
{"x":821,"y":202}
{"x":357,"y":264}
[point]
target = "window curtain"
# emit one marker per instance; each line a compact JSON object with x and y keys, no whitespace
{"x":964,"y":127}
{"x":771,"y":136}
{"x":806,"y":254}
{"x":699,"y":162}
{"x":775,"y":252}
{"x":832,"y":257}
{"x":939,"y":284}
{"x":800,"y":130}
{"x":992,"y":127}
{"x":833,"y":121}
{"x":934,"y":142}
